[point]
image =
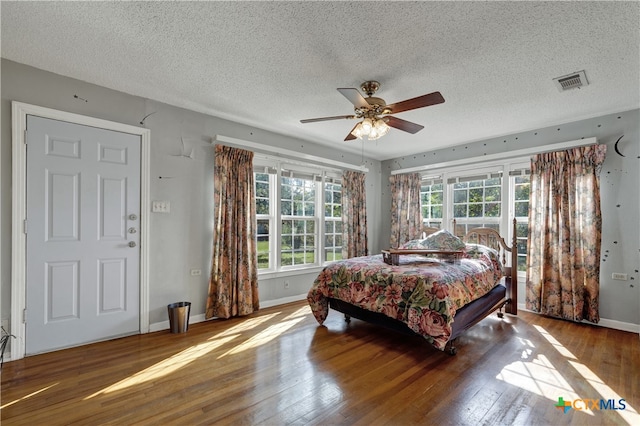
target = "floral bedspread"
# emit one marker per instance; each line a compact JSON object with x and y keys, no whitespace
{"x":422,"y":292}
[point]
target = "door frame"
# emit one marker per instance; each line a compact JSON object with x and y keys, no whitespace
{"x":19,"y":112}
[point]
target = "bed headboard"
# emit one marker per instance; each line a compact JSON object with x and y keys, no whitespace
{"x":491,"y":238}
{"x":488,"y":237}
{"x":428,"y":230}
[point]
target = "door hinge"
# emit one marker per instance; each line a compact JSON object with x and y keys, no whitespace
{"x":24,"y":316}
{"x":24,"y":226}
{"x":25,"y":136}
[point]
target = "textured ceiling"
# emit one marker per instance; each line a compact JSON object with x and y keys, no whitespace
{"x":270,"y":64}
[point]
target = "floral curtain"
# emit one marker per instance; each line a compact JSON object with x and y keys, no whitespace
{"x":406,"y":217}
{"x":354,"y":215}
{"x":563,"y":263}
{"x":233,"y":283}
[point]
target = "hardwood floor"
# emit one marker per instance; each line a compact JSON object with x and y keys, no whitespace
{"x":279,"y":367}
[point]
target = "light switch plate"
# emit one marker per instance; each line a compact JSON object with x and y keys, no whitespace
{"x":161,"y":207}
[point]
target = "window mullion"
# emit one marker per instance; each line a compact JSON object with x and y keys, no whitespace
{"x":278,"y":219}
{"x":320,"y":226}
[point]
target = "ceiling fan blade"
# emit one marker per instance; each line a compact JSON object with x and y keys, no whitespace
{"x":354,"y":97}
{"x":403,"y":125}
{"x":419,"y":102}
{"x":336,"y":117}
{"x":350,"y":136}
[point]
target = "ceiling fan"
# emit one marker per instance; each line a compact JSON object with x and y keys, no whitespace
{"x":376,"y":114}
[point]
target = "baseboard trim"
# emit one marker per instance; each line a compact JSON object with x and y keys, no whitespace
{"x":604,"y":322}
{"x":282,"y":301}
{"x":194,"y":319}
{"x":164,"y":325}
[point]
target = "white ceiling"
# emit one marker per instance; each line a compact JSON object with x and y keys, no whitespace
{"x":270,"y":64}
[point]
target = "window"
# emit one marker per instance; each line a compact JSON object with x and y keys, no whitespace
{"x":520,"y":185}
{"x":487,"y":196}
{"x":299,"y":224}
{"x":332,"y":221}
{"x":476,"y":202}
{"x":431,"y":201}
{"x":264,"y":218}
{"x":299,"y":216}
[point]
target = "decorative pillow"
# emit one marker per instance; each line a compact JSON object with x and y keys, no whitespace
{"x":443,"y":240}
{"x":477,"y":251}
{"x":487,"y":254}
{"x":413,"y":245}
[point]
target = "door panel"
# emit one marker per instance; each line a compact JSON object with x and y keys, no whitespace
{"x":62,"y":195}
{"x":83,"y":188}
{"x":62,"y":291}
{"x":112,"y":286}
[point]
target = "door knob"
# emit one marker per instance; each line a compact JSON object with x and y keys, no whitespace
{"x":132,"y":244}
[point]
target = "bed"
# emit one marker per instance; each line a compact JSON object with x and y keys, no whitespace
{"x":435,"y":297}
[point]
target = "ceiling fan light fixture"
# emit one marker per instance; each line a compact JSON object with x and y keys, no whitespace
{"x":366,"y":125}
{"x":371,"y":108}
{"x":381,"y":127}
{"x":357,"y":131}
{"x":371,"y":128}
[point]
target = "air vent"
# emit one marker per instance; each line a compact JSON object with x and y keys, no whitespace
{"x":571,"y":81}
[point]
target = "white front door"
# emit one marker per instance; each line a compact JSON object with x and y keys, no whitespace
{"x":83,"y":227}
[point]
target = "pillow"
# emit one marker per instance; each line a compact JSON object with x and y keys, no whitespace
{"x":477,"y":251}
{"x":443,"y":240}
{"x":487,"y":254}
{"x":413,"y":245}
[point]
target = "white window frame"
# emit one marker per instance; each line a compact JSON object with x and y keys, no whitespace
{"x":315,"y":219}
{"x":462,"y":174}
{"x":507,"y":202}
{"x":516,"y":166}
{"x":430,"y":181}
{"x":271,"y":217}
{"x":325,"y":218}
{"x":320,"y":175}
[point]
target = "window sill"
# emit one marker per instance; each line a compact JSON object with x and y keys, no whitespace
{"x":290,"y":272}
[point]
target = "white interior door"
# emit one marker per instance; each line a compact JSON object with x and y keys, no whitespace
{"x":82,"y":242}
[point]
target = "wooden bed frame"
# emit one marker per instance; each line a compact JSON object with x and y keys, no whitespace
{"x":504,"y":295}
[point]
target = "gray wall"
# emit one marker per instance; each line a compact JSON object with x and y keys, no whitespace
{"x":619,"y":190}
{"x":181,"y":240}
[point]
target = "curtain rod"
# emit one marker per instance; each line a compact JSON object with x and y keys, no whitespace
{"x":285,"y":153}
{"x":500,"y":156}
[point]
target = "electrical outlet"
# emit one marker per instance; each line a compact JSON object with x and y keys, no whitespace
{"x":619,"y":276}
{"x":286,"y":284}
{"x":196,"y":272}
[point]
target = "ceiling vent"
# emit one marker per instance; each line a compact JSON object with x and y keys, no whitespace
{"x":571,"y":81}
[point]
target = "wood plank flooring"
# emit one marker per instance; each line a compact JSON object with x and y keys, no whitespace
{"x":279,"y":367}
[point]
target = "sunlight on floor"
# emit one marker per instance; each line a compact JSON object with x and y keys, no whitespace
{"x":167,"y":366}
{"x":264,"y":336}
{"x":182,"y":359}
{"x":557,"y":345}
{"x":542,"y":378}
{"x":629,"y":413}
{"x":304,"y":311}
{"x":538,"y":376}
{"x":606,"y":393}
{"x":246,"y":324}
{"x":2,"y":407}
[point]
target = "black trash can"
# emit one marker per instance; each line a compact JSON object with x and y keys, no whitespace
{"x":179,"y":316}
